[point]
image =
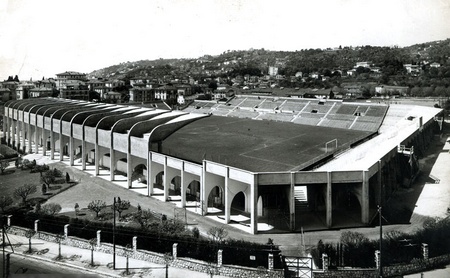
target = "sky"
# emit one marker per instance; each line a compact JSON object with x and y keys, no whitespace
{"x":40,"y":38}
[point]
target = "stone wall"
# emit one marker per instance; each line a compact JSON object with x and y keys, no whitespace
{"x":144,"y":255}
{"x":390,"y":271}
{"x":347,"y":273}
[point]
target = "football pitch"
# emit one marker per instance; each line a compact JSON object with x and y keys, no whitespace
{"x":256,"y":146}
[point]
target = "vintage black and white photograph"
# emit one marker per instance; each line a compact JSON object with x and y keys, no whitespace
{"x":225,"y":138}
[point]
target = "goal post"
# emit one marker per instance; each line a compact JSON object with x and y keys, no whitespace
{"x":331,"y":145}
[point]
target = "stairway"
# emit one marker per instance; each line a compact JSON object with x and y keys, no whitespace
{"x":301,"y":198}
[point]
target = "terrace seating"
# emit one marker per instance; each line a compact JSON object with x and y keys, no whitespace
{"x":290,"y":106}
{"x":300,"y":111}
{"x":282,"y":117}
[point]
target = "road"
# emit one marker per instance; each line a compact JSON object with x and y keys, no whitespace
{"x":26,"y":265}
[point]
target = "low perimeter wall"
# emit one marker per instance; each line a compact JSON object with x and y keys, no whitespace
{"x":144,"y":255}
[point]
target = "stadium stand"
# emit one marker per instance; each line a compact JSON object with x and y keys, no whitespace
{"x":329,"y":113}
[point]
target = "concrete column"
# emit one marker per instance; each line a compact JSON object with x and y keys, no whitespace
{"x":270,"y":262}
{"x":30,"y":147}
{"x":44,"y":141}
{"x":24,"y":134}
{"x":134,"y":243}
{"x":36,"y":138}
{"x":52,"y":144}
{"x":203,"y":197}
{"x":166,"y":181}
{"x":66,"y":230}
{"x":96,"y":159}
{"x":227,"y":198}
{"x":112,"y":163}
{"x":325,"y":262}
{"x":377,"y":259}
{"x":329,"y":201}
{"x":19,"y":128}
{"x":183,"y":187}
{"x":6,"y":126}
{"x":365,"y":198}
{"x":71,"y":150}
{"x":219,"y":257}
{"x":13,"y":132}
{"x":129,"y":168}
{"x":61,"y":142}
{"x":174,"y":251}
{"x":36,"y":225}
{"x":98,"y":237}
{"x":83,"y":153}
{"x":149,"y":175}
{"x":425,"y":251}
{"x":254,"y":205}
{"x":292,"y":203}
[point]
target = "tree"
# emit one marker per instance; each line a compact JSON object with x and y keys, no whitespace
{"x":44,"y":189}
{"x":51,"y":208}
{"x":218,"y":234}
{"x":120,"y":206}
{"x":96,"y":206}
{"x":24,"y":191}
{"x":29,"y":234}
{"x":67,"y":178}
{"x":48,"y":178}
{"x":5,"y":201}
{"x":144,"y":218}
{"x":41,"y":168}
{"x":77,"y":209}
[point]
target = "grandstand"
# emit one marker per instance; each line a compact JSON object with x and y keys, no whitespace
{"x":256,"y":163}
{"x":315,"y":112}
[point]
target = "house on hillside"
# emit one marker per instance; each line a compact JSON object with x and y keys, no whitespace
{"x":392,"y":90}
{"x":363,"y":64}
{"x":435,"y":65}
{"x":40,"y":92}
{"x":166,"y":92}
{"x":412,"y":69}
{"x":138,"y":94}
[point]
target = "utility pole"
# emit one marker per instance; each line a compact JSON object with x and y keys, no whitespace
{"x":3,"y":244}
{"x":114,"y":234}
{"x":381,"y":241}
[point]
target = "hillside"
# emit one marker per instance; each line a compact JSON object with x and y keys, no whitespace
{"x":389,"y":59}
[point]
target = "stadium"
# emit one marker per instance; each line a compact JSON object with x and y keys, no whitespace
{"x":262,"y":164}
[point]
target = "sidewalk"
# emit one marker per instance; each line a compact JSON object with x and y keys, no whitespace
{"x":81,"y":258}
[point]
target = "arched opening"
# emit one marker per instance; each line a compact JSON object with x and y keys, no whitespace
{"x":216,"y":198}
{"x":238,"y":203}
{"x":139,"y":174}
{"x":175,"y":186}
{"x":65,"y":149}
{"x":159,"y":181}
{"x":193,"y":191}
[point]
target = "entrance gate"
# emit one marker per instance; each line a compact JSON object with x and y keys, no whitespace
{"x":298,"y":267}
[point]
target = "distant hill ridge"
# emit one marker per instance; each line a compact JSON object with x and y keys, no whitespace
{"x":288,"y":62}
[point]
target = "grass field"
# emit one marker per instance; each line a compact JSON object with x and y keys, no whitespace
{"x":256,"y":146}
